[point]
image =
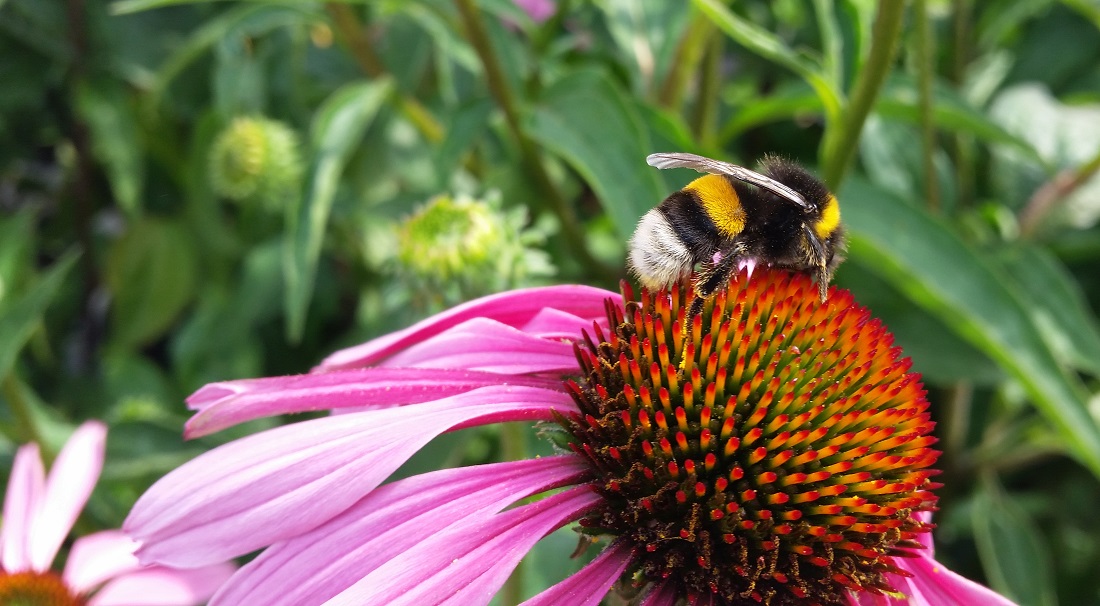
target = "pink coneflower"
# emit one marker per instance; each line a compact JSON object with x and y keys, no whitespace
{"x":101,"y":570}
{"x":772,"y":449}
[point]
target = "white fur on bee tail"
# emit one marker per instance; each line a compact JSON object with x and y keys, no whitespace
{"x":657,"y":256}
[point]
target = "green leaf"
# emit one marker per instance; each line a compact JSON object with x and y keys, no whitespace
{"x":338,"y":127}
{"x":151,"y":273}
{"x":21,"y":314}
{"x":115,"y":140}
{"x":1011,"y":548}
{"x":248,"y":20}
{"x":1056,"y":303}
{"x":768,"y":45}
{"x":16,"y":244}
{"x":586,"y":120}
{"x":926,"y":261}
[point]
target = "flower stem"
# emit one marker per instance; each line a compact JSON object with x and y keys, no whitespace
{"x":925,"y":72}
{"x":351,"y":31}
{"x":689,"y":52}
{"x":572,"y":228}
{"x":841,"y":140}
{"x":1054,"y":191}
{"x":705,"y":117}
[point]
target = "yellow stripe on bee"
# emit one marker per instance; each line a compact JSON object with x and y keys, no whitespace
{"x":721,"y":203}
{"x":830,"y":218}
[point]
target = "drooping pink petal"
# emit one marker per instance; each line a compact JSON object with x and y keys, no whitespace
{"x":663,"y":594}
{"x":98,"y":557}
{"x":589,"y":585}
{"x":932,"y":584}
{"x":467,"y":563}
{"x":68,"y":486}
{"x":227,"y":403}
{"x":556,"y":324}
{"x":513,"y":308}
{"x":487,"y":345}
{"x":285,"y":481}
{"x":21,"y":505}
{"x":157,"y":586}
{"x":311,"y":568}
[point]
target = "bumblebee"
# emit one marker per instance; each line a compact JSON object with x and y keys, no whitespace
{"x":733,"y":218}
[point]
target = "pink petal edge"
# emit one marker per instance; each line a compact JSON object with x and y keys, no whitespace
{"x":99,"y":557}
{"x":158,"y":586}
{"x":311,"y":568}
{"x":467,"y":563}
{"x":663,"y":594}
{"x":22,"y":503}
{"x":280,"y":483}
{"x":228,"y":403}
{"x":69,"y":484}
{"x":513,"y":308}
{"x":589,"y":585}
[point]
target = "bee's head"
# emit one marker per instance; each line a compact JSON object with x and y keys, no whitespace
{"x":824,"y":211}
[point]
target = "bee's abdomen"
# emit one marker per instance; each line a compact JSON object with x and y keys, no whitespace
{"x":670,"y":239}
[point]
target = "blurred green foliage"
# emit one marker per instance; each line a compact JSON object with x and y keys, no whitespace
{"x":963,"y":138}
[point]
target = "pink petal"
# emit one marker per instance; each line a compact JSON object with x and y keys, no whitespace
{"x":311,"y":568}
{"x":556,"y":324}
{"x":660,"y":595}
{"x":227,"y":403}
{"x":538,"y":10}
{"x":488,"y":345}
{"x":588,"y":586}
{"x":932,"y":584}
{"x":468,"y":562}
{"x":514,"y":308}
{"x":70,"y":483}
{"x":159,"y":586}
{"x":285,"y":481}
{"x":21,"y":505}
{"x":98,"y":557}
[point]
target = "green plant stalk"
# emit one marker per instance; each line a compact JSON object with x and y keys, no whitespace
{"x":925,"y":72}
{"x":841,"y":140}
{"x":689,"y":52}
{"x":572,"y":228}
{"x":1054,"y":191}
{"x":831,"y":43}
{"x":351,"y":32}
{"x":705,"y":117}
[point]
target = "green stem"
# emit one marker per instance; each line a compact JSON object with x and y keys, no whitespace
{"x":842,"y":140}
{"x":351,"y":32}
{"x":705,"y":118}
{"x":925,"y":70}
{"x":1054,"y":191}
{"x":572,"y":228}
{"x":689,"y":52}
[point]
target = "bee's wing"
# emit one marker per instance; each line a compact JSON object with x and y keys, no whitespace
{"x":717,"y":167}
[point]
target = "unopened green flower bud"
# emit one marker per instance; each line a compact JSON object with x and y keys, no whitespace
{"x":448,"y":237}
{"x":256,"y":159}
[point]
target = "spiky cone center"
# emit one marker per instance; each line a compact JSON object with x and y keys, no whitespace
{"x":772,"y":449}
{"x":29,"y":588}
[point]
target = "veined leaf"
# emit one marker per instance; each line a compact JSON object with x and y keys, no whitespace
{"x":338,"y":127}
{"x":20,"y":316}
{"x":586,"y":119}
{"x":927,"y":262}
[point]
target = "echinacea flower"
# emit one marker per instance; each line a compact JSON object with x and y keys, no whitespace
{"x":773,"y":449}
{"x":101,"y":570}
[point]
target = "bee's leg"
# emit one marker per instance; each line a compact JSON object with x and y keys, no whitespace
{"x":708,"y":281}
{"x":822,"y":277}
